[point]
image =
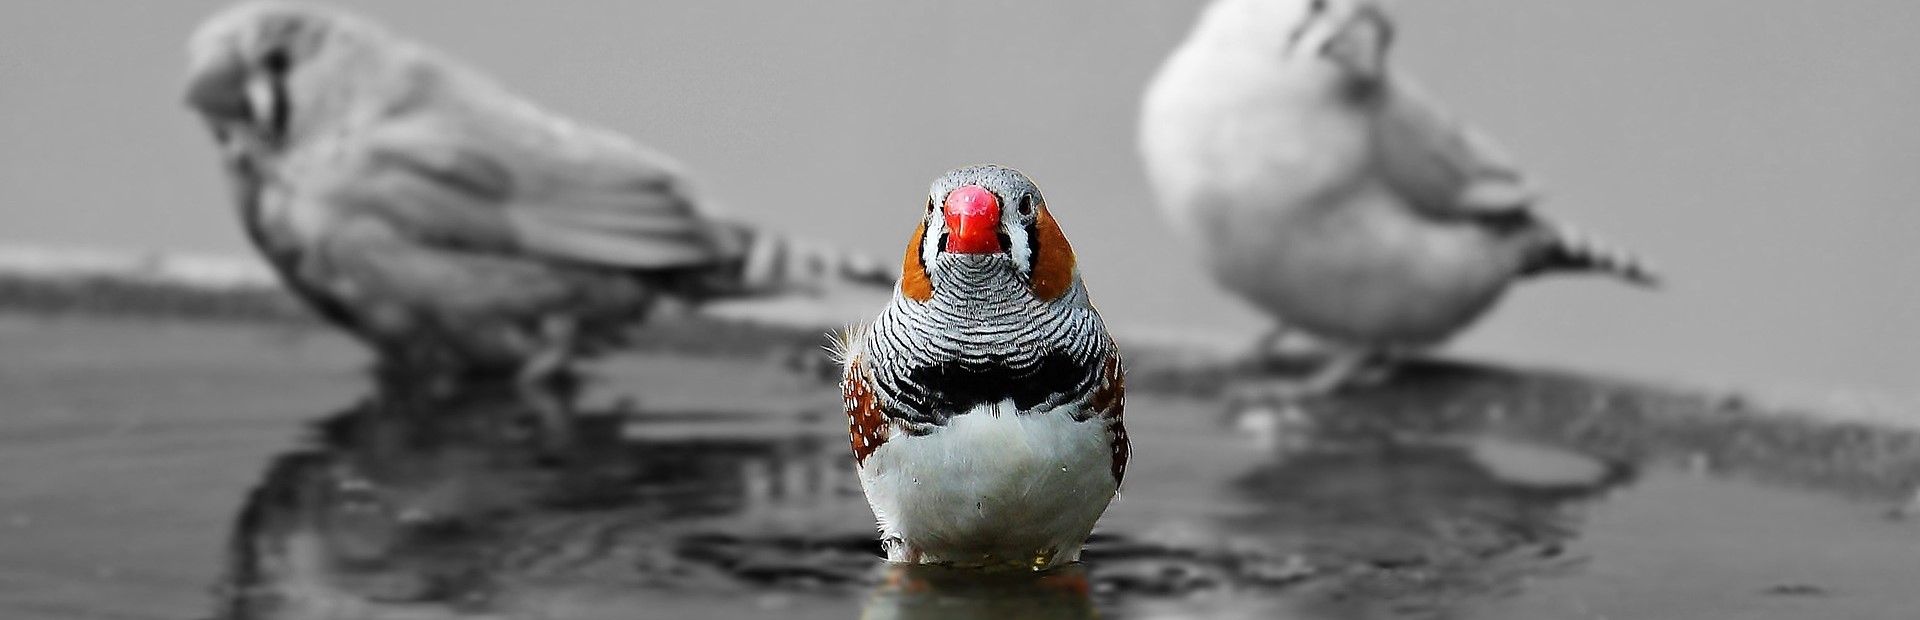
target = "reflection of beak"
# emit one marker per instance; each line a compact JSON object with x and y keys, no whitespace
{"x":219,"y":88}
{"x":1360,"y":44}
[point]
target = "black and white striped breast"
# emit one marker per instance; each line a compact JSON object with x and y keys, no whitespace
{"x":983,"y":338}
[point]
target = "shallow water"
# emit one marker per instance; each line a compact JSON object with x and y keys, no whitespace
{"x":175,"y":471}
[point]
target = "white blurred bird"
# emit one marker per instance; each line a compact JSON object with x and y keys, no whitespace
{"x":450,"y":223}
{"x":1327,"y":190}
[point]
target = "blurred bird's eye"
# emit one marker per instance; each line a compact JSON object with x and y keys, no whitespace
{"x":1026,"y":205}
{"x":929,"y":205}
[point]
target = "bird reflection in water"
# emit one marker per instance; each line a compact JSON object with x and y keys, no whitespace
{"x":426,"y":502}
{"x":1376,"y":523}
{"x":930,"y":592}
{"x":456,"y":501}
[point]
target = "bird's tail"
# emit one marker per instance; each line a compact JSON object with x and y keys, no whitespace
{"x":1566,"y":249}
{"x":767,"y":263}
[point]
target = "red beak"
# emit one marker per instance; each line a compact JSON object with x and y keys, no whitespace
{"x":973,"y":221}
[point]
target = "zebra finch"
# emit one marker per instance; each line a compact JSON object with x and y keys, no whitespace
{"x":985,"y":401}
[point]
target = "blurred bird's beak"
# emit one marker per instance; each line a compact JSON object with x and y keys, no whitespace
{"x":219,"y":89}
{"x":1360,"y":44}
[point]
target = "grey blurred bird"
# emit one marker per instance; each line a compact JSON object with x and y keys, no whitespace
{"x":447,"y":222}
{"x":1324,"y":188}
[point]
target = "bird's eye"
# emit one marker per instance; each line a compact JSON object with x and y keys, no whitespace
{"x":929,"y":204}
{"x":1026,"y":205}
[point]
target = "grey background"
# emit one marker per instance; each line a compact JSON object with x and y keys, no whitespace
{"x":1760,"y":150}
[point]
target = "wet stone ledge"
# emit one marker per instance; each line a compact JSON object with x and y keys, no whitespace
{"x":222,"y":289}
{"x":1617,"y":420}
{"x":1716,"y":433}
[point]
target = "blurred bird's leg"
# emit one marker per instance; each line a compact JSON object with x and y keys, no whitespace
{"x":1273,"y":347}
{"x":547,"y":383}
{"x":1379,"y":367}
{"x":557,"y":336}
{"x":1343,"y":367}
{"x":1268,"y":346}
{"x":551,"y":398}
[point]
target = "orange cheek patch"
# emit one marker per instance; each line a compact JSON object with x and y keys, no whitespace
{"x":1053,"y":265}
{"x":913,"y":278}
{"x":866,"y":425}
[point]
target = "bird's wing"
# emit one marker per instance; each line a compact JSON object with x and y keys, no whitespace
{"x":480,"y":188}
{"x":1442,"y":166}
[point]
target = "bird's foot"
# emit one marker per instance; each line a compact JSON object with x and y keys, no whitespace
{"x":899,"y":552}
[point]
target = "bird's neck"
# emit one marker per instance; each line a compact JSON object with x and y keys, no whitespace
{"x":983,"y":338}
{"x":984,"y":289}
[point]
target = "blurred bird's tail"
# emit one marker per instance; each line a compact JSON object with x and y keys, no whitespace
{"x":768,"y":263}
{"x":1565,"y":249}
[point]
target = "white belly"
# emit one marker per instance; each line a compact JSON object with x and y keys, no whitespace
{"x":992,"y":487}
{"x":1370,"y":273}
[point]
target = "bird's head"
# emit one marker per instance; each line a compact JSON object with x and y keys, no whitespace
{"x":1352,"y":34}
{"x":268,"y":70}
{"x":987,"y":224}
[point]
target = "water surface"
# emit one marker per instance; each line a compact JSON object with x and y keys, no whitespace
{"x":176,"y":471}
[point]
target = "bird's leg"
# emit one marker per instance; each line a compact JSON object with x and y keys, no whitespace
{"x":551,"y":398}
{"x":1343,"y":367}
{"x":547,"y":384}
{"x":549,"y":361}
{"x":1378,"y":368}
{"x":1269,"y":342}
{"x":1338,"y":370}
{"x":1268,"y":349}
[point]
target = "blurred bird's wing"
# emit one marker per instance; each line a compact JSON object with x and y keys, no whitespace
{"x":549,"y":191}
{"x":1442,"y":166}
